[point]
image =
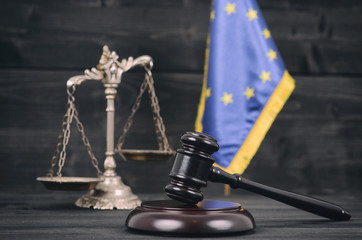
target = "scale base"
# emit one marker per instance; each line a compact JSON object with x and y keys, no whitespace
{"x":168,"y":217}
{"x":109,"y":194}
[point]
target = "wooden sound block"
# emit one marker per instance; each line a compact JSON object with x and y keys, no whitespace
{"x":174,"y":218}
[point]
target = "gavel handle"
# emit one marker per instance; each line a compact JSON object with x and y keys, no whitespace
{"x":309,"y":204}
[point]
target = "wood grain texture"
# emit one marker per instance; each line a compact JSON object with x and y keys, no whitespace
{"x":53,"y":215}
{"x":313,"y":36}
{"x":313,"y":146}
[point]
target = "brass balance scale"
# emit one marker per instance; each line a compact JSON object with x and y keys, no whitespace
{"x":107,"y":191}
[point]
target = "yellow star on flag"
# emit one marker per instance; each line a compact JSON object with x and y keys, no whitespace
{"x":227,"y":98}
{"x":272,"y":54}
{"x":208,"y":93}
{"x":252,"y":14}
{"x":230,"y":8}
{"x":266,"y":33}
{"x":265,"y":76}
{"x":212,"y":15}
{"x":249,"y":93}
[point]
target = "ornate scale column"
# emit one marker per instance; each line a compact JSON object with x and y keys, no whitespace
{"x":110,"y":193}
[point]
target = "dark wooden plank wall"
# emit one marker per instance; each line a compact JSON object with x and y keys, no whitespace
{"x":314,"y":145}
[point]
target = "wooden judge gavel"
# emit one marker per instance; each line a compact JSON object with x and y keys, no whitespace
{"x":193,"y":168}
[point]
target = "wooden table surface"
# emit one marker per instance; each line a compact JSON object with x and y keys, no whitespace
{"x":53,"y":215}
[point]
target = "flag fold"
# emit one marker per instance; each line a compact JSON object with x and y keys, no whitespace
{"x":245,"y":83}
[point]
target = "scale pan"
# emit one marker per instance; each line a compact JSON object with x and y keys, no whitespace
{"x":146,"y":155}
{"x":69,"y":183}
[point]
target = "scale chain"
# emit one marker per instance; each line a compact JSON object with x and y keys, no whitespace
{"x":86,"y":143}
{"x":129,"y":122}
{"x":59,"y":144}
{"x":160,"y":128}
{"x":64,"y":135}
{"x":63,"y":153}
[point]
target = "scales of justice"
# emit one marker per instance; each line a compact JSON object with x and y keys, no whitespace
{"x":107,"y":191}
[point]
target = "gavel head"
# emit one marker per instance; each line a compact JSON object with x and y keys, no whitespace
{"x":191,"y":168}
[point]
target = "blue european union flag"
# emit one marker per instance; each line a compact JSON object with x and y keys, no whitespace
{"x":245,"y":82}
